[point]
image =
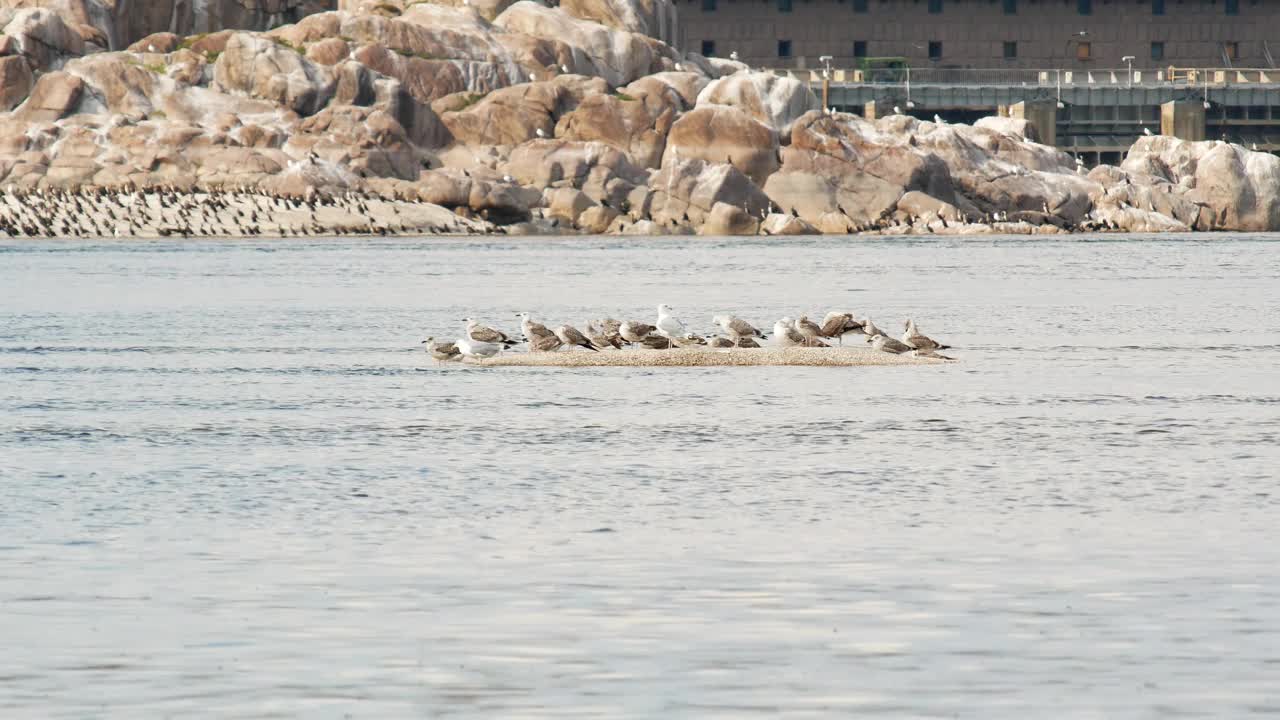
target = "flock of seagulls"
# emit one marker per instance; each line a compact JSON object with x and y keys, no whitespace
{"x":667,"y":331}
{"x":101,"y":212}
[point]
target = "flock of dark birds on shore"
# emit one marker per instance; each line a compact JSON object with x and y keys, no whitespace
{"x":171,"y":212}
{"x":667,"y":332}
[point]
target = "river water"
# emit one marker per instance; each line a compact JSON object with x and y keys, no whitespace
{"x":234,"y":486}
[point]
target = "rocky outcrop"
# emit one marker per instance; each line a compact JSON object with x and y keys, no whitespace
{"x":16,"y":80}
{"x":718,"y":133}
{"x":776,"y":101}
{"x":1238,"y":189}
{"x":655,"y":18}
{"x":264,"y":68}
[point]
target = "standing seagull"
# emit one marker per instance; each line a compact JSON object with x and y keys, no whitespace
{"x":836,"y":325}
{"x":912,"y":336}
{"x":785,"y":334}
{"x":476,"y":349}
{"x":668,"y":325}
{"x":440,"y":350}
{"x":635,"y":332}
{"x":736,"y":327}
{"x":544,"y":343}
{"x":869,"y":329}
{"x":532,"y":330}
{"x":599,"y":338}
{"x":809,"y":329}
{"x":570,"y":335}
{"x":889,"y":345}
{"x":480,"y":333}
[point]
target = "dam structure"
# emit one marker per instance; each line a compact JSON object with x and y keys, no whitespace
{"x":1090,"y":76}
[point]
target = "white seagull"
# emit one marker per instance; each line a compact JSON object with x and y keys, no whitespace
{"x":669,"y":326}
{"x":475,"y":349}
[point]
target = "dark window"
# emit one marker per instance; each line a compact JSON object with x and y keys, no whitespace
{"x":859,"y":48}
{"x":1084,"y":51}
{"x":784,"y":5}
{"x":1010,"y":50}
{"x":1233,"y":7}
{"x":784,"y":48}
{"x":859,"y":6}
{"x":1010,"y":7}
{"x":935,"y":50}
{"x":708,"y":5}
{"x":1084,"y":7}
{"x":935,"y":6}
{"x":708,"y":48}
{"x":1157,"y":7}
{"x":1232,"y":49}
{"x":1157,"y":50}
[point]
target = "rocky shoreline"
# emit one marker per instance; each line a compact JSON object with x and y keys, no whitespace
{"x":417,"y":118}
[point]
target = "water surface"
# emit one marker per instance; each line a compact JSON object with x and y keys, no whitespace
{"x":235,"y":486}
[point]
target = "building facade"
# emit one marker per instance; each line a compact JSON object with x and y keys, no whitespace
{"x":1014,"y":34}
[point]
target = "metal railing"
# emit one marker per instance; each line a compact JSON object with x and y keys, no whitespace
{"x":1119,"y":78}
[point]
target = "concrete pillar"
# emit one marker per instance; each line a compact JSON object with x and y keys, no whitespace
{"x":1041,"y":115}
{"x":1184,"y":120}
{"x":869,"y":111}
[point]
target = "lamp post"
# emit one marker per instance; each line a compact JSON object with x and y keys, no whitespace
{"x":1128,"y":59}
{"x":826,"y":80}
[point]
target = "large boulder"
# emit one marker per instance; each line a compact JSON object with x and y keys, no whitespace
{"x":118,"y":82}
{"x":44,"y":37}
{"x":519,"y":113}
{"x":776,"y":101}
{"x":718,"y":133}
{"x":263,"y":68}
{"x":602,"y":172}
{"x":684,"y":192}
{"x":618,"y":56}
{"x":16,"y":80}
{"x":655,"y":18}
{"x":635,"y":120}
{"x":726,"y":219}
{"x":53,"y":97}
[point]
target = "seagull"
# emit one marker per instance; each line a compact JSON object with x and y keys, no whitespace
{"x":601,"y":339}
{"x":869,"y":329}
{"x":736,"y":327}
{"x":480,"y":333}
{"x":440,"y":350}
{"x":656,"y":342}
{"x":508,"y":179}
{"x":609,"y":328}
{"x":912,"y":336}
{"x":785,"y":334}
{"x":889,"y":345}
{"x":545,"y":343}
{"x":1146,"y":130}
{"x":679,"y":67}
{"x":564,"y":69}
{"x":570,"y":335}
{"x":532,"y":330}
{"x":836,"y":325}
{"x":669,"y":326}
{"x":474,"y":348}
{"x":734,"y":56}
{"x":897,"y":110}
{"x":937,"y":119}
{"x":540,"y":132}
{"x":634,"y":332}
{"x":808,"y":329}
{"x":721,"y":343}
{"x":748,"y":343}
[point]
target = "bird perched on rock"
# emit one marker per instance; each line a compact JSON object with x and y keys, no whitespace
{"x":481,"y":333}
{"x":441,"y":351}
{"x":913,"y":337}
{"x":571,"y":336}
